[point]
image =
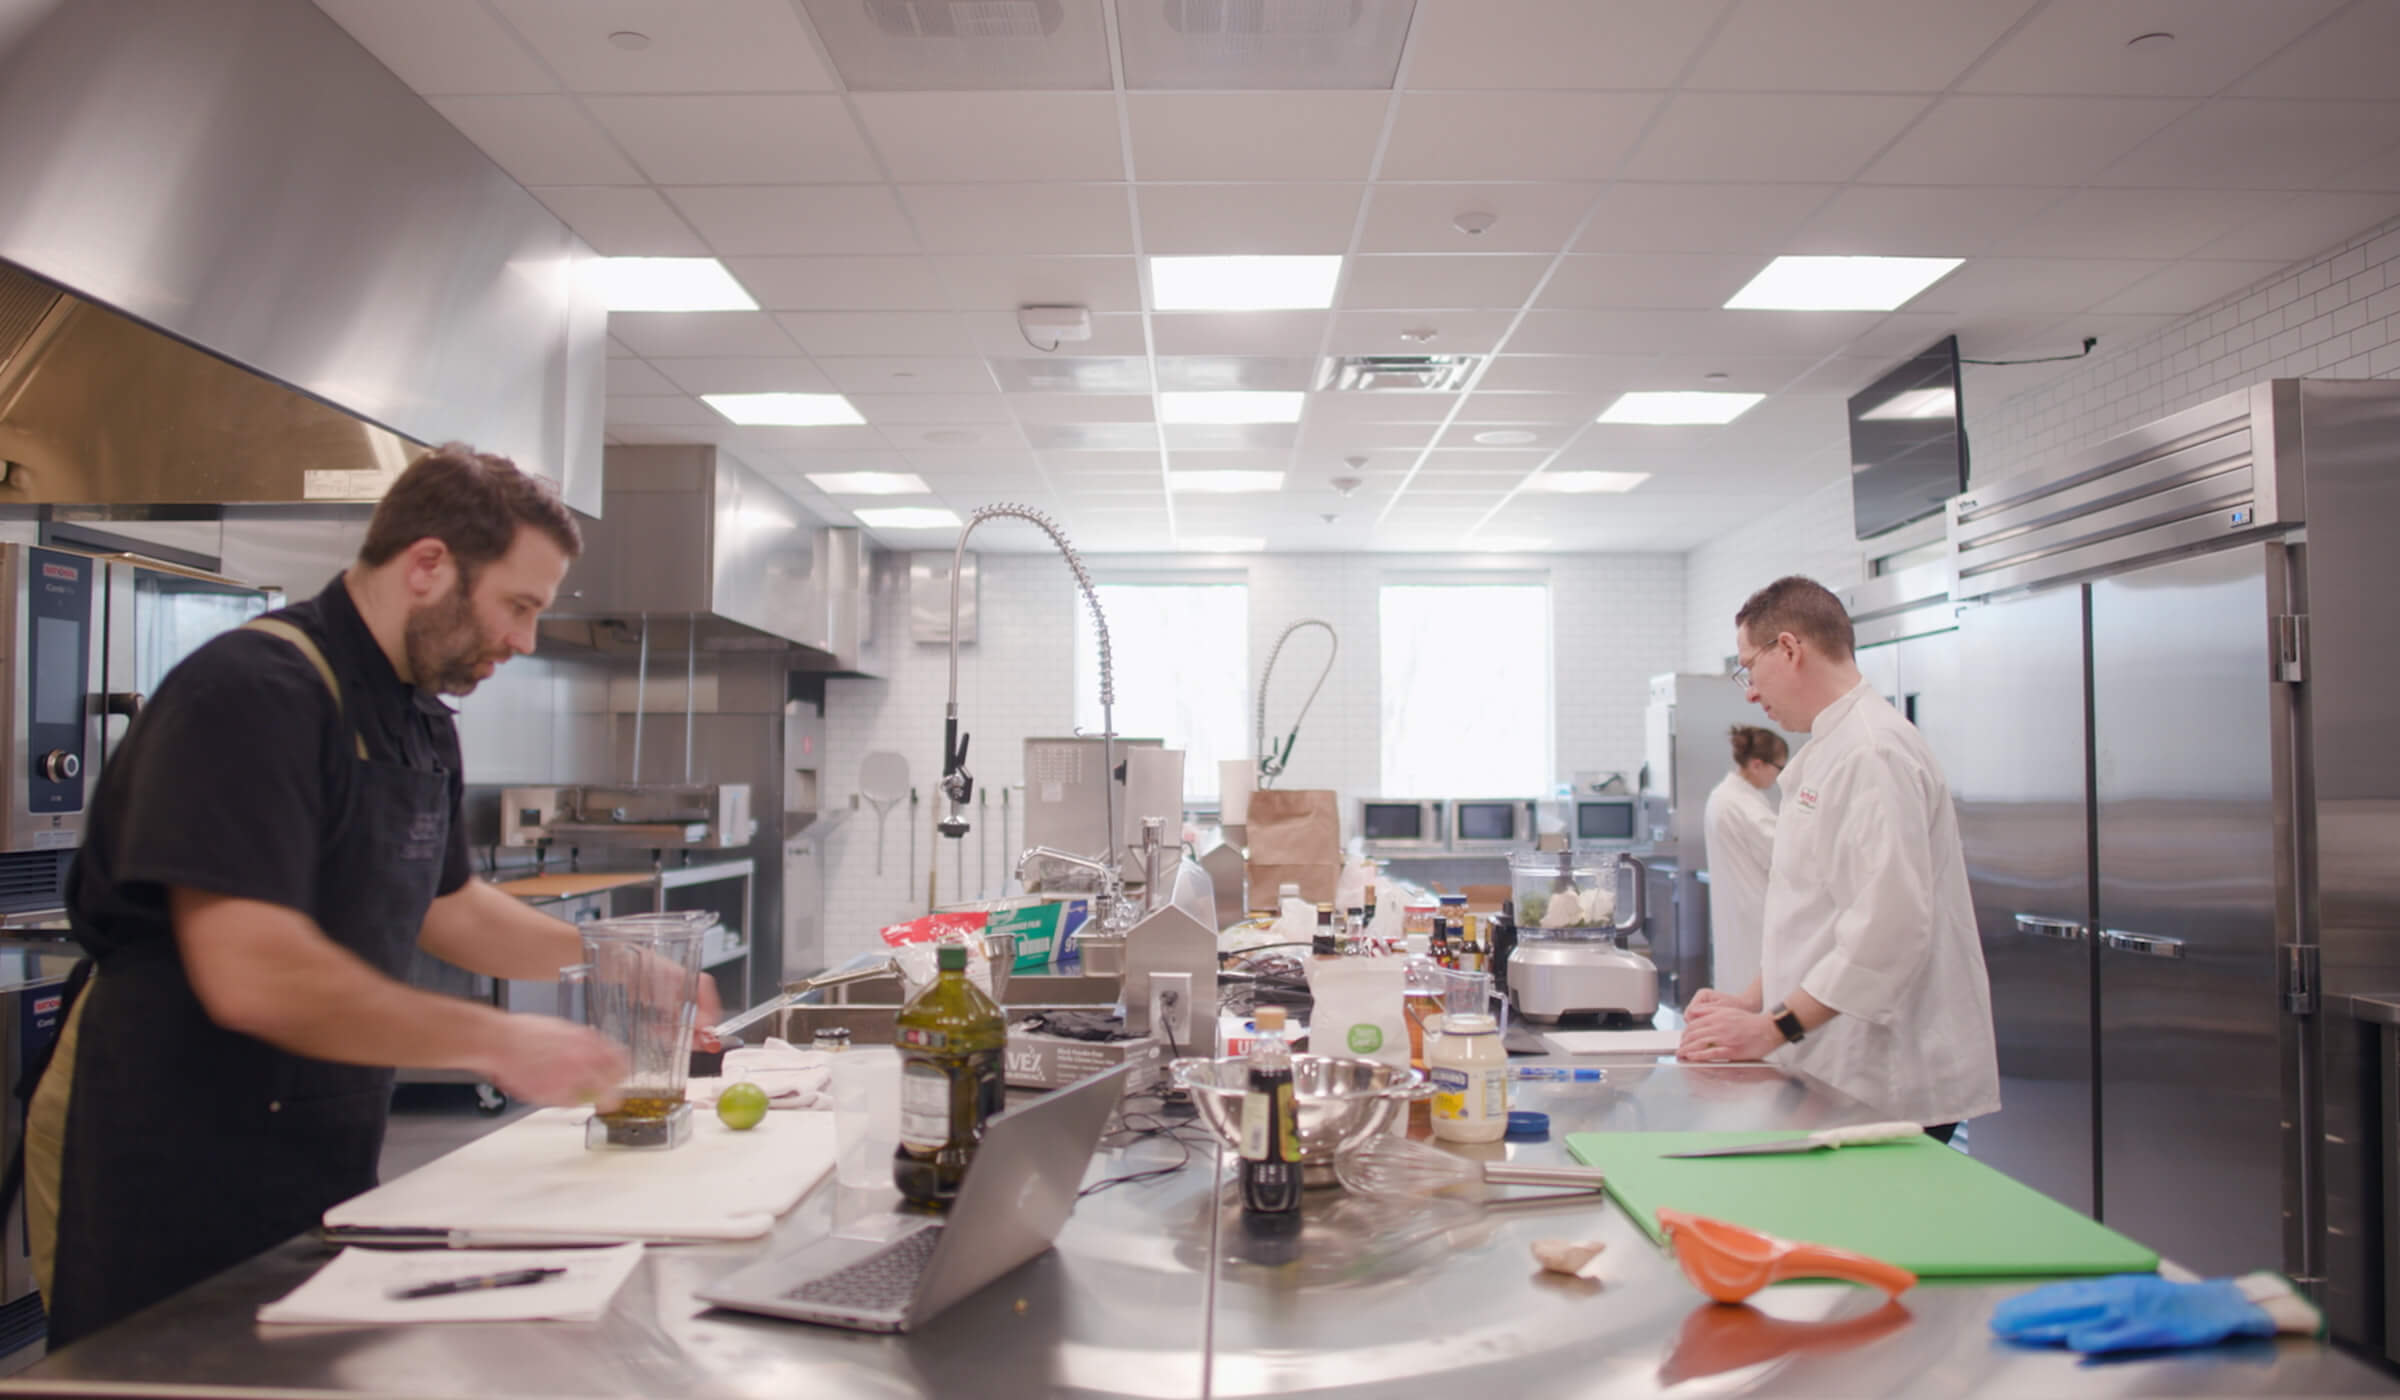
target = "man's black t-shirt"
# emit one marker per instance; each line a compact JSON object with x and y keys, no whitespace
{"x":240,"y":767}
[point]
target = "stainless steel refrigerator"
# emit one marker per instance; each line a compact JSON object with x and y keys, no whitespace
{"x":2180,"y":799}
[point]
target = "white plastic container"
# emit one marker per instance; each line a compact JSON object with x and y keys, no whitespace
{"x":1470,"y":1080}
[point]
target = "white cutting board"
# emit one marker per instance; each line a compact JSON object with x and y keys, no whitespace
{"x":1613,"y":1042}
{"x":536,"y":1174}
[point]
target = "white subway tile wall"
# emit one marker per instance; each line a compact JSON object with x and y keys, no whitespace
{"x":1619,"y":620}
{"x":2334,"y":316}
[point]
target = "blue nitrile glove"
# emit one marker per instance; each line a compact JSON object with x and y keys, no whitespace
{"x":2143,"y":1312}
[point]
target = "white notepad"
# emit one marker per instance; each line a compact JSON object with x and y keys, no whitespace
{"x":357,"y":1286}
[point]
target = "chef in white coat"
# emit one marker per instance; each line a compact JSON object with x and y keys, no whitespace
{"x":1741,"y":838}
{"x":1871,"y":976}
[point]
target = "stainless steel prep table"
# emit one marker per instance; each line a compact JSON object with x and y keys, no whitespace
{"x":1156,"y":1290}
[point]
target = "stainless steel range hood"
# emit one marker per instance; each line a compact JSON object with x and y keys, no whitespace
{"x":693,"y":546}
{"x":98,"y":409}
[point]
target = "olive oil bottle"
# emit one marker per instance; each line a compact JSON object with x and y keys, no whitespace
{"x":950,"y":1039}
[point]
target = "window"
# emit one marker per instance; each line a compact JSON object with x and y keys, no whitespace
{"x":1182,"y":653}
{"x":1466,"y":690}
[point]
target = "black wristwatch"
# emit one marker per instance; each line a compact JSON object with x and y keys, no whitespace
{"x":1788,"y":1021}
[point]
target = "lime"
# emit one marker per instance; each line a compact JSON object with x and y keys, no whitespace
{"x":741,"y":1106}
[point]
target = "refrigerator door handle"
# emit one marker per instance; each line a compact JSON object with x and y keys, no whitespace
{"x":2150,"y":945}
{"x":2042,"y":926}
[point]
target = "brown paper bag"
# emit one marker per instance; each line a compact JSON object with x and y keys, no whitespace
{"x":1296,"y":839}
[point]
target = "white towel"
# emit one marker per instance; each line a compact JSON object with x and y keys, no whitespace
{"x":793,"y":1077}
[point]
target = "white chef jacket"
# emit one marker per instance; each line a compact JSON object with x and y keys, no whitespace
{"x":1868,"y":911}
{"x":1741,"y":839}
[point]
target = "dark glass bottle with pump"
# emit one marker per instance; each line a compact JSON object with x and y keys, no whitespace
{"x":1270,"y":1128}
{"x":950,"y":1039}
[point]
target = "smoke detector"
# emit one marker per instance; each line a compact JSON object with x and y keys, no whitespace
{"x":1346,"y":486}
{"x":1045,"y":328}
{"x":1474,"y":223}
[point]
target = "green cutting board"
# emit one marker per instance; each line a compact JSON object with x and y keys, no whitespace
{"x":1933,"y":1211}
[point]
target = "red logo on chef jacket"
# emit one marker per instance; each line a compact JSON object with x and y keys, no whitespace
{"x":1807,"y":798}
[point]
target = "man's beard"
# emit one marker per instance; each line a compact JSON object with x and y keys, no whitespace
{"x":445,"y":647}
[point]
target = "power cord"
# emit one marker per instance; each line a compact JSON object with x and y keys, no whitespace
{"x":2088,"y":342}
{"x":1138,"y":1126}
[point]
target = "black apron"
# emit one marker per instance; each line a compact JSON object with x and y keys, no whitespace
{"x":190,"y":1148}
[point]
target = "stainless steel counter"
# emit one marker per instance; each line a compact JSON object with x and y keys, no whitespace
{"x":1157,"y":1290}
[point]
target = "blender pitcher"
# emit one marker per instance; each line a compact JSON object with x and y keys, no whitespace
{"x":641,"y":981}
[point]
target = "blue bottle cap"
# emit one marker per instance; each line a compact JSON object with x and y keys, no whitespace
{"x":1525,"y":1123}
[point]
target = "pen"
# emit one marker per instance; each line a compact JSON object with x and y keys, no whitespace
{"x":1583,"y":1074}
{"x":515,"y":1278}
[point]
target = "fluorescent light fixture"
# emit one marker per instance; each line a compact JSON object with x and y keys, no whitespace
{"x":1678,"y":406}
{"x":1244,"y":283}
{"x":869,"y":483}
{"x":668,"y":284}
{"x":784,"y":410}
{"x":1585,"y":483}
{"x":1937,"y":402}
{"x":1222,"y":544}
{"x":1225,"y":483}
{"x":1839,"y":284}
{"x":1231,"y":406}
{"x":908,"y":518}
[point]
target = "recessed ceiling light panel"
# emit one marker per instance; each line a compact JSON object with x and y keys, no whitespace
{"x":1225,"y":483}
{"x":1585,"y":483}
{"x":668,"y":284}
{"x":908,"y":518}
{"x":785,"y":410}
{"x":869,"y":483}
{"x":1505,"y":437}
{"x":1839,"y":284}
{"x":1244,"y":283}
{"x":1678,"y":406}
{"x":1231,"y":406}
{"x":1222,"y":544}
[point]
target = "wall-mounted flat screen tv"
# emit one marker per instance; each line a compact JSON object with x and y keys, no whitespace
{"x":1908,"y":453}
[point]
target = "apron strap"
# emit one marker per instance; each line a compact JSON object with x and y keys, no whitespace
{"x":277,"y":627}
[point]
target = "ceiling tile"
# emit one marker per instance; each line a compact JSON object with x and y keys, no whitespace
{"x":1689,"y":332}
{"x":1249,"y":135}
{"x":982,"y":439}
{"x":721,"y":46}
{"x":442,"y":47}
{"x":1633,"y":217}
{"x":1919,"y":220}
{"x":1760,"y":136}
{"x":915,"y":374}
{"x":1214,"y":47}
{"x":1610,"y":375}
{"x":625,"y":410}
{"x":1081,"y":408}
{"x":1400,"y":332}
{"x":1434,"y":280}
{"x":997,"y":334}
{"x":1050,"y":219}
{"x":877,"y":333}
{"x":845,"y":438}
{"x":747,"y":140}
{"x":1514,"y":135}
{"x":624,"y":221}
{"x":2348,"y":57}
{"x":1515,"y":44}
{"x":1073,"y":374}
{"x":841,"y":284}
{"x":794,"y":219}
{"x":1697,"y":280}
{"x":1004,"y":284}
{"x":2303,"y":225}
{"x":2023,"y":285}
{"x":1370,"y":440}
{"x":637,"y":377}
{"x":1238,"y":332}
{"x":2021,"y":140}
{"x":1184,"y":439}
{"x":2121,"y":223}
{"x":1060,"y":464}
{"x":906,"y":410}
{"x":1852,"y":45}
{"x":1214,"y":372}
{"x":2082,"y":47}
{"x":2188,"y":286}
{"x":1331,"y":408}
{"x":699,"y":334}
{"x":1551,"y":417}
{"x":1092,"y":437}
{"x":755,"y":375}
{"x":539,"y":140}
{"x":2261,"y":145}
{"x":1535,"y":218}
{"x":1222,"y":219}
{"x":993,"y":137}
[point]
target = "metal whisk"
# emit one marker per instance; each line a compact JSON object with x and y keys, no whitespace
{"x":1401,"y":1167}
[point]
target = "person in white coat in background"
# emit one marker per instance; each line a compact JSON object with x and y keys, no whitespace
{"x":1871,"y":977}
{"x":1741,"y":838}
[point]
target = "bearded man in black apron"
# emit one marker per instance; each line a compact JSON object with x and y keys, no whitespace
{"x":279,"y":833}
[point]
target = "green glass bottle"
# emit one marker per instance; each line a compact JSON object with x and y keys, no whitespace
{"x":950,"y":1038}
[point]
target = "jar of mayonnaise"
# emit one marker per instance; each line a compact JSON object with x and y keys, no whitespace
{"x":1469,"y":1070}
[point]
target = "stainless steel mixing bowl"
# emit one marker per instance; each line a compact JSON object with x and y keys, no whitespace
{"x":1340,"y":1101}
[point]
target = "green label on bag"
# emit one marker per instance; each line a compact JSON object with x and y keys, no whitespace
{"x":1365,"y":1039}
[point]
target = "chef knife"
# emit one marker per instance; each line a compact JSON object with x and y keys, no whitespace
{"x":1830,"y":1137}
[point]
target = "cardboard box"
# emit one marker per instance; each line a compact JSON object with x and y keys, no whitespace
{"x":1036,"y":1061}
{"x":1041,"y":927}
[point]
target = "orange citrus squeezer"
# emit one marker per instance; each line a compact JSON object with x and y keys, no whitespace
{"x":1730,"y":1262}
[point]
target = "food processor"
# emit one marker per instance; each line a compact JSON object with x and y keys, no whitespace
{"x":1571,"y":958}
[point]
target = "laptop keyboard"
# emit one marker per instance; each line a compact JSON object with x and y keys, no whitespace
{"x":884,"y":1281}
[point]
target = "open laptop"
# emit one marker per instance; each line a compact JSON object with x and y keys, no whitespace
{"x":1017,"y":1196}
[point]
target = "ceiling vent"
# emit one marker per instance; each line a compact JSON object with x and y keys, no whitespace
{"x":1397,"y":373}
{"x":965,"y":19}
{"x":1227,"y":18}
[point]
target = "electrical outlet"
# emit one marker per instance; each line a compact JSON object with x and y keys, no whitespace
{"x":1171,"y":1009}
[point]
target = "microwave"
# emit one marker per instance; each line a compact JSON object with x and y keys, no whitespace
{"x":1603,"y":821}
{"x":1397,"y":824}
{"x":1491,"y":823}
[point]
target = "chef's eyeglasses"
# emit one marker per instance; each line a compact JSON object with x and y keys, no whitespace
{"x":1741,"y":673}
